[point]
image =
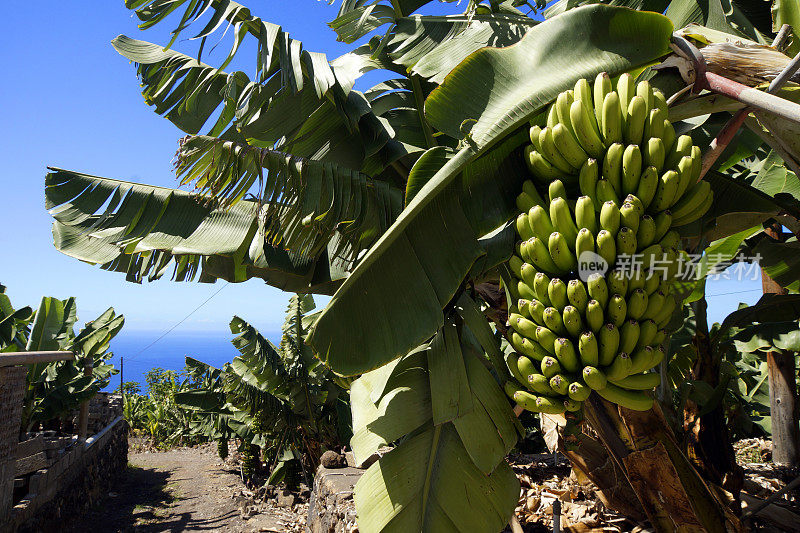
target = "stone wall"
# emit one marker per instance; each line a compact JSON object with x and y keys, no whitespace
{"x":12,"y":381}
{"x":331,"y":508}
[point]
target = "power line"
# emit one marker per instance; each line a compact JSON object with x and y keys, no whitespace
{"x":732,"y":292}
{"x":170,"y":330}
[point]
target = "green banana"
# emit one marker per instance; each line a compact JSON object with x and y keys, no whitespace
{"x":654,"y":153}
{"x":540,"y":286}
{"x":539,"y":166}
{"x":612,"y":166}
{"x":660,"y":337}
{"x":588,"y":349}
{"x":648,"y":185}
{"x":553,"y":321}
{"x":663,"y":317}
{"x":568,"y":146}
{"x":584,"y":242}
{"x":523,"y":326}
{"x":665,"y":194}
{"x":577,"y":295}
{"x":511,"y":388}
{"x":585,"y":214}
{"x":671,"y":240}
{"x":539,"y":223}
{"x":617,"y":282}
{"x":635,"y":281}
{"x":683,"y":147}
{"x":606,"y":247}
{"x":557,"y":293}
{"x":563,"y":102}
{"x":586,"y":133}
{"x":663,"y":222}
{"x":654,"y":125}
{"x":652,"y":255}
{"x":583,"y":92}
{"x":619,"y":368}
{"x":529,"y":188}
{"x":560,"y":384}
{"x":646,"y":233}
{"x":660,"y":101}
{"x":629,"y":216}
{"x":628,"y":336}
{"x":611,"y":118}
{"x":699,"y":212}
{"x":556,"y":189}
{"x":560,"y":252}
{"x":533,"y":135}
{"x":593,"y":377}
{"x":550,"y":366}
{"x":536,"y":311}
{"x":668,"y":136}
{"x":547,"y":339}
{"x":605,"y":192}
{"x":647,"y":333}
{"x":522,"y":227}
{"x":526,"y":400}
{"x":634,"y":122}
{"x":655,"y":303}
{"x":616,"y":310}
{"x":659,"y":353}
{"x":610,"y":217}
{"x":552,"y":116}
{"x":587,"y":178}
{"x":566,"y":354}
{"x":691,"y":201}
{"x":598,"y":289}
{"x":643,"y":89}
{"x":524,"y":291}
{"x":572,"y":320}
{"x":534,"y":251}
{"x":578,"y":391}
{"x":547,"y":147}
{"x":626,"y":241}
{"x":635,"y":202}
{"x":515,"y":264}
{"x":639,"y":382}
{"x":602,"y":87}
{"x":634,"y":400}
{"x":685,"y":170}
{"x":525,"y":202}
{"x":594,"y":315}
{"x":697,"y":164}
{"x":513,"y":367}
{"x":550,"y":406}
{"x":640,"y":360}
{"x":631,"y":169}
{"x":528,"y":273}
{"x":561,"y":218}
{"x":525,"y":368}
{"x":523,"y":306}
{"x":637,"y":305}
{"x":608,"y":344}
{"x":540,"y":384}
{"x":626,"y":88}
{"x":529,"y":347}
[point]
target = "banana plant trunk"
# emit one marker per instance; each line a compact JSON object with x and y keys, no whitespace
{"x":671,"y":491}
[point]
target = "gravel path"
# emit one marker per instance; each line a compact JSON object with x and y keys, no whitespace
{"x":179,"y":490}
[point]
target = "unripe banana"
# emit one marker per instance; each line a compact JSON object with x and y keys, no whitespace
{"x":668,"y":136}
{"x":602,"y":87}
{"x":547,"y":147}
{"x":629,"y":216}
{"x":515,"y":265}
{"x":533,"y":134}
{"x":626,"y":88}
{"x":585,"y":214}
{"x":617,"y":282}
{"x":526,"y":346}
{"x":526,"y":400}
{"x":523,"y":228}
{"x":566,"y":354}
{"x":608,"y":344}
{"x":652,"y":281}
{"x":563,"y":103}
{"x":524,"y":291}
{"x":659,"y":353}
{"x":655,"y":304}
{"x":588,"y":349}
{"x":671,"y":240}
{"x":683,"y":147}
{"x":612,"y":166}
{"x":660,"y":101}
{"x":560,"y":252}
{"x":587,"y":178}
{"x":525,"y":368}
{"x":512,"y":364}
{"x":634,"y":400}
{"x":598,"y":289}
{"x":634,"y":123}
{"x":556,"y":189}
{"x":665,"y":194}
{"x":577,"y":295}
{"x":646,"y":233}
{"x":640,"y":360}
{"x":605,"y":192}
{"x":540,"y":286}
{"x":697,"y":164}
{"x":606,"y":246}
{"x":530,"y":189}
{"x":594,"y":378}
{"x":511,"y":388}
{"x":626,"y":241}
{"x":652,"y":256}
{"x":639,"y":382}
{"x":663,"y":318}
{"x":523,"y":306}
{"x":631,"y":169}
{"x":648,"y":185}
{"x":578,"y":391}
{"x":660,"y":337}
{"x":583,"y":92}
{"x":536,"y":311}
{"x":568,"y":146}
{"x":539,"y":255}
{"x":572,"y":320}
{"x":594,"y":315}
{"x":663,"y":222}
{"x":557,"y":292}
{"x":691,"y":201}
{"x":654,"y":125}
{"x":550,"y":366}
{"x":647,"y":333}
{"x":547,"y":339}
{"x":523,"y":326}
{"x":541,"y":385}
{"x":643,"y":89}
{"x":619,"y":368}
{"x":637,"y":305}
{"x":539,"y":166}
{"x":561,"y":217}
{"x":628,"y":336}
{"x":552,"y":116}
{"x":610,"y":217}
{"x":635,"y":202}
{"x":584,"y":242}
{"x":539,"y":223}
{"x":698,"y":213}
{"x":525,"y":202}
{"x":586,"y":133}
{"x":560,"y":384}
{"x":528,"y":273}
{"x":552,"y":320}
{"x":616,"y":310}
{"x":611,"y":119}
{"x":550,"y":406}
{"x":654,"y":153}
{"x":635,"y":281}
{"x":685,"y":169}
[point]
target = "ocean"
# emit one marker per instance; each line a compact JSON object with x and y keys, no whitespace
{"x":169,"y":353}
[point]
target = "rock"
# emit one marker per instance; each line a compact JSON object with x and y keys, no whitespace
{"x":331,"y":459}
{"x":284,"y":499}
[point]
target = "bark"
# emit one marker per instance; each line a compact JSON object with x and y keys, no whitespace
{"x":707,"y":441}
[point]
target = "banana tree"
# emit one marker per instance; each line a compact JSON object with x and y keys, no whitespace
{"x":397,"y":200}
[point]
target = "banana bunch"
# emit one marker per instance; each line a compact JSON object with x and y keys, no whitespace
{"x":618,"y":182}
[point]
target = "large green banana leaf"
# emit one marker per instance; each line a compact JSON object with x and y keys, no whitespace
{"x":399,"y":289}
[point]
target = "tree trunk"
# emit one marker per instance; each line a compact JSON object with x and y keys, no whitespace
{"x":783,"y":403}
{"x":671,"y":491}
{"x":707,"y":441}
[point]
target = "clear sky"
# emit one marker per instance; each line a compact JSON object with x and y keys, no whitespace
{"x":69,"y":100}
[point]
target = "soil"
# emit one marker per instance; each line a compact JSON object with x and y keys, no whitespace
{"x":184,"y":489}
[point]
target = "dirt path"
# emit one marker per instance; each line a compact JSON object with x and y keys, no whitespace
{"x":178,"y":490}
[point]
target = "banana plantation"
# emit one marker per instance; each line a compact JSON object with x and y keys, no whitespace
{"x":515,"y":209}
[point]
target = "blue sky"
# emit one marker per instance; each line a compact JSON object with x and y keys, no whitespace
{"x":69,"y":100}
